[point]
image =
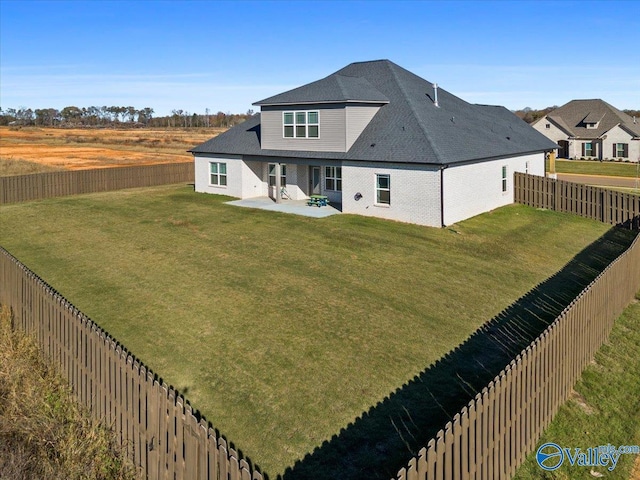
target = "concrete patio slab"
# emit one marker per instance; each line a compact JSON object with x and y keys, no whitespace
{"x":296,"y":207}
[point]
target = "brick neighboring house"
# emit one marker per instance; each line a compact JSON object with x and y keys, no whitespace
{"x":380,"y":141}
{"x":592,"y":129}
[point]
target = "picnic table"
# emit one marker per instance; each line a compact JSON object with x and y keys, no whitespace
{"x":318,"y":201}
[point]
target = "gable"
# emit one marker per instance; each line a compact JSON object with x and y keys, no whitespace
{"x":549,"y":127}
{"x":339,"y":125}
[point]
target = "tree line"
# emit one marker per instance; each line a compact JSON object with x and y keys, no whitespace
{"x":115,"y":116}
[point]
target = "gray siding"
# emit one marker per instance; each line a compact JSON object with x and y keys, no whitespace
{"x":332,"y":129}
{"x":357,"y":119}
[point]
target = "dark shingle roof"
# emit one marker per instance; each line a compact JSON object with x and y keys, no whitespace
{"x":409,"y":129}
{"x":573,"y":117}
{"x":332,"y":89}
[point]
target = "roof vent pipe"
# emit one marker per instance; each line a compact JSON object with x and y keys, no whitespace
{"x":435,"y":95}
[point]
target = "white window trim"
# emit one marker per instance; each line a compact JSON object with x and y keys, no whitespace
{"x":225,"y":175}
{"x":504,"y":174}
{"x":335,"y":178}
{"x":591,"y":149}
{"x":306,"y":124}
{"x":618,"y":149}
{"x":378,"y":204}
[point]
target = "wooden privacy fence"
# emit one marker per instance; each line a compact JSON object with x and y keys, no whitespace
{"x":607,"y":206}
{"x":492,"y":435}
{"x":36,"y":186}
{"x":161,"y":433}
{"x":487,"y":439}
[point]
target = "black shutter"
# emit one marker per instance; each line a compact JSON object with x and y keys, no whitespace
{"x":626,"y":149}
{"x":615,"y":150}
{"x":583,"y":148}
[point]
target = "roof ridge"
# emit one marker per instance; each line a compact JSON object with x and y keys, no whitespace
{"x":624,"y":117}
{"x":425,"y":131}
{"x":370,"y":61}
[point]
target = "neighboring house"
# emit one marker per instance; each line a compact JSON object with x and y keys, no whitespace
{"x":592,"y":130}
{"x":380,"y":141}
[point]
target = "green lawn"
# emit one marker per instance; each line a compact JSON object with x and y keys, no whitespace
{"x":614,"y":169}
{"x":282,"y":329}
{"x":605,"y":408}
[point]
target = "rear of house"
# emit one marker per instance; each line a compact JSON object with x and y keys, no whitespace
{"x":379,"y":141}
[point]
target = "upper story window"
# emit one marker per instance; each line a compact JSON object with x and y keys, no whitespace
{"x":592,"y":125}
{"x":301,"y":124}
{"x":547,"y":126}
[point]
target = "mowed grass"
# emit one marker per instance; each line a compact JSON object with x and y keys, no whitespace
{"x":584,"y":167}
{"x":604,"y":408}
{"x":282,"y":329}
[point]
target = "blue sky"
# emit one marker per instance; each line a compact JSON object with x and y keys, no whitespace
{"x":193,"y":55}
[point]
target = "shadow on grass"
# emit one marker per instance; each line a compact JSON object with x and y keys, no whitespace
{"x":383,"y":439}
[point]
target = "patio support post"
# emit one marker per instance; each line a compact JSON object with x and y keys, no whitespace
{"x":278,"y":185}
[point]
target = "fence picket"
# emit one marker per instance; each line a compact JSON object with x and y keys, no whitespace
{"x":488,"y":439}
{"x":23,"y":188}
{"x":506,"y":420}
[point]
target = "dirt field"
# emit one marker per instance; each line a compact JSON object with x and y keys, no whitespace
{"x":77,"y":149}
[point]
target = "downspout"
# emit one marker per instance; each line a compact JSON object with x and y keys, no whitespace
{"x":442,"y":169}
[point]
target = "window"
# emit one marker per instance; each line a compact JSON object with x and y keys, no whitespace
{"x":504,"y":178}
{"x":333,"y":178}
{"x":272,"y":175}
{"x":526,"y":167}
{"x":288,"y":124}
{"x":587,"y":149}
{"x":301,"y":124}
{"x":620,"y":150}
{"x":383,"y":189}
{"x":547,"y":126}
{"x":218,"y":174}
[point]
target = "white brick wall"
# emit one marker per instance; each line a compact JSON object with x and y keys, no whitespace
{"x":415,"y":189}
{"x":243,"y":178}
{"x":552,"y":133}
{"x":415,"y":192}
{"x":476,"y":188}
{"x":618,"y":135}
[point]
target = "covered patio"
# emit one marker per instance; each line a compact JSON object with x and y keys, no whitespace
{"x":296,"y":207}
